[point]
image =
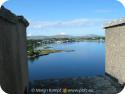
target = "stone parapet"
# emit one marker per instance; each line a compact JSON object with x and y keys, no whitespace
{"x":114,"y":23}
{"x":11,"y":17}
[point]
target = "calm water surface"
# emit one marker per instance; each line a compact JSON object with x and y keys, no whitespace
{"x":88,"y":59}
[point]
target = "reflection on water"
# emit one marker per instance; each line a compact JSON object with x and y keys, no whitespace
{"x":85,"y":59}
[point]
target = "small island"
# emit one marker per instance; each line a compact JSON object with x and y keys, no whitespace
{"x":37,"y":53}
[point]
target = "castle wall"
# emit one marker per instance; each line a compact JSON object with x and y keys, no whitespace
{"x":13,"y":57}
{"x":115,"y":49}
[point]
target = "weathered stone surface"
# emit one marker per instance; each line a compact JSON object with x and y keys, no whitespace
{"x":88,"y":85}
{"x":115,"y":49}
{"x":13,"y":58}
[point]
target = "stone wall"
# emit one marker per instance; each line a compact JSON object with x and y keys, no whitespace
{"x":13,"y":57}
{"x":115,"y":49}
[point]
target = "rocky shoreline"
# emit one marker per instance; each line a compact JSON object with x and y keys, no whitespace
{"x":47,"y":52}
{"x":77,"y":85}
{"x":44,"y":52}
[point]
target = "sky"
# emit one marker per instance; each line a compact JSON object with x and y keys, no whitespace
{"x":66,"y":17}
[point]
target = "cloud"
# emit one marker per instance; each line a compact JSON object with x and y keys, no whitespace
{"x":83,"y":22}
{"x":62,"y":33}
